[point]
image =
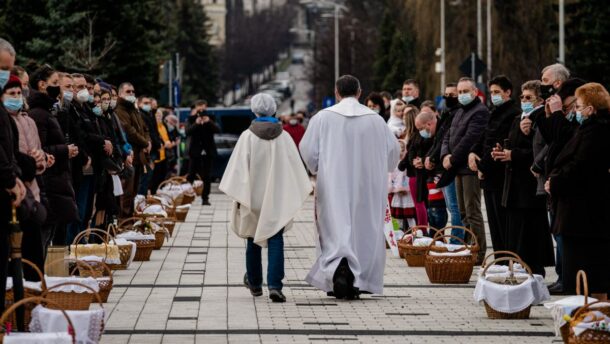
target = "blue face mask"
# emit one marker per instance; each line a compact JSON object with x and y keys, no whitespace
{"x":570,"y":116}
{"x":465,"y":98}
{"x":4,"y":76}
{"x":146,"y":108}
{"x":580,"y":118}
{"x":527,"y":107}
{"x":68,"y":96}
{"x":425,"y":134}
{"x":97,"y":110}
{"x":90,"y":99}
{"x":497,"y":100}
{"x":13,"y":104}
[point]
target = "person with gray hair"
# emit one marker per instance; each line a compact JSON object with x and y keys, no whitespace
{"x":552,"y":77}
{"x":268,"y":185}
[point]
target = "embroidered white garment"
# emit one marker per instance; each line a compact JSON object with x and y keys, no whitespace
{"x":88,"y":325}
{"x":38,"y":338}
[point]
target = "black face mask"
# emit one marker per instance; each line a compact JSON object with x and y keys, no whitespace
{"x":546,"y":91}
{"x":53,"y":91}
{"x":451,"y":102}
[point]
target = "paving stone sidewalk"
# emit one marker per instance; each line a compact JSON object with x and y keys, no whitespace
{"x":191,"y":292}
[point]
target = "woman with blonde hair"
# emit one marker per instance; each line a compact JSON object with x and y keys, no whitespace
{"x":580,"y":183}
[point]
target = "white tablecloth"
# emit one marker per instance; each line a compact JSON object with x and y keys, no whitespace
{"x":88,"y":325}
{"x":38,"y":338}
{"x":511,"y":298}
{"x":89,"y":281}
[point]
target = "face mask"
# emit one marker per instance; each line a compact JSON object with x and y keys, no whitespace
{"x":90,"y":99}
{"x":408,"y":99}
{"x":570,"y":116}
{"x":527,"y":107}
{"x":546,"y":91}
{"x":451,"y":102}
{"x":13,"y":104}
{"x":293,"y":122}
{"x":105,"y":105}
{"x":170,"y":127}
{"x":145,"y":108}
{"x":4,"y":76}
{"x":113,"y":103}
{"x":425,"y":134}
{"x":82,"y":96}
{"x":376,"y":110}
{"x":68,"y":96}
{"x":465,"y":98}
{"x":53,"y":91}
{"x":131,"y":99}
{"x":26,"y":92}
{"x":580,"y":118}
{"x":497,"y":100}
{"x":97,"y":110}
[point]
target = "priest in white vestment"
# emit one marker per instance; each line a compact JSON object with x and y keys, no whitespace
{"x":268,"y":184}
{"x":352,"y":150}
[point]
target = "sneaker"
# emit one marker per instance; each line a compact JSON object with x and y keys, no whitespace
{"x":254,"y":291}
{"x":276,"y":295}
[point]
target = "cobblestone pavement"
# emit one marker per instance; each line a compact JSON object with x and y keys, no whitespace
{"x":191,"y":292}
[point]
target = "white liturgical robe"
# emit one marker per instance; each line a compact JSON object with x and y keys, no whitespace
{"x":352,"y":150}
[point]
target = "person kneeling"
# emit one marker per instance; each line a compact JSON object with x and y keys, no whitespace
{"x":268,"y":185}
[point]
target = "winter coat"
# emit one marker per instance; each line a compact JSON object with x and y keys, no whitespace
{"x":580,"y":181}
{"x":200,"y":137}
{"x":135,"y":129}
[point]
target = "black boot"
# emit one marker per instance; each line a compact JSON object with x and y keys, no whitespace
{"x":343,"y":282}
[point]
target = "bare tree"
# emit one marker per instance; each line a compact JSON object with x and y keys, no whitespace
{"x":81,"y":55}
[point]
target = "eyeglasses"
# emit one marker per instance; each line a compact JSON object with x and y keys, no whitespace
{"x":128,"y":91}
{"x":569,"y":106}
{"x":528,"y":98}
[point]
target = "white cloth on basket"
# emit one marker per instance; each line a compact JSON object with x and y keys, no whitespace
{"x":88,"y":325}
{"x":134,"y":247}
{"x":511,"y":298}
{"x":38,"y":338}
{"x":451,"y":254}
{"x":90,"y":282}
{"x":26,"y":284}
{"x":565,"y":306}
{"x":133,"y":235}
{"x":594,"y":320}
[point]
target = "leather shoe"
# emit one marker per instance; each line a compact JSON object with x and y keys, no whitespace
{"x":556,"y":289}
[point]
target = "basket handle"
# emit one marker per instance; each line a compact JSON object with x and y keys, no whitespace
{"x":413,"y":230}
{"x":582,"y":276}
{"x":97,"y":295}
{"x":511,"y":260}
{"x":179,"y":179}
{"x":76,"y":261}
{"x":43,"y":284}
{"x":476,"y":240}
{"x":83,"y":233}
{"x":39,"y":300}
{"x":496,"y":253}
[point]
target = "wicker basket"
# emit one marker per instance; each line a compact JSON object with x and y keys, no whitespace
{"x":160,"y":237}
{"x":98,"y":268}
{"x":449,"y":269}
{"x":144,"y":247}
{"x":106,"y":282}
{"x":181,"y":214}
{"x":199,"y":188}
{"x":29,"y":303}
{"x":124,"y":251}
{"x":495,"y":314}
{"x":9,"y":298}
{"x":499,"y":254}
{"x":71,"y":300}
{"x":474,"y":244}
{"x":413,"y":255}
{"x":588,"y":336}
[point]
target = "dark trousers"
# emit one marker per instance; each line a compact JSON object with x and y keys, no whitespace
{"x":130,"y":187}
{"x":496,"y":217}
{"x":202,"y":166}
{"x":468,"y":189}
{"x":4,"y":255}
{"x":275,"y":260}
{"x":32,"y":249}
{"x":158,"y":176}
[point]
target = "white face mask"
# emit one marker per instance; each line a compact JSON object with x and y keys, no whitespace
{"x":113,"y":103}
{"x":82,"y":96}
{"x":293,"y":121}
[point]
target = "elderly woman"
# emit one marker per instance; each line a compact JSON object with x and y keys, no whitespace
{"x":527,"y":226}
{"x":268,"y":185}
{"x":580,"y":184}
{"x":29,"y":144}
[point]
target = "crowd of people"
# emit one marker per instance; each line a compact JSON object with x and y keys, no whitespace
{"x":75,"y":151}
{"x":538,"y":152}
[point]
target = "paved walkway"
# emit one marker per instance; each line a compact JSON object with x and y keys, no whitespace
{"x":191,"y":292}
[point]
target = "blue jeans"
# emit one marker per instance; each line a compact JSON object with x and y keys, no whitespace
{"x":437,"y":217}
{"x":558,"y":257}
{"x":275,"y":260}
{"x":452,"y":205}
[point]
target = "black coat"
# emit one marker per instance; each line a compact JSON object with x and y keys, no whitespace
{"x":520,"y":185}
{"x":201,"y":137}
{"x":70,"y":122}
{"x":418,"y":147}
{"x":9,"y":169}
{"x":135,"y":129}
{"x":556,"y":131}
{"x":442,"y":128}
{"x":155,"y":139}
{"x":57,"y":185}
{"x":500,"y":120}
{"x":91,"y":132}
{"x":580,"y":181}
{"x":466,"y":130}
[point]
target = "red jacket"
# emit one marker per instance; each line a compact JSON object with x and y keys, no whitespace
{"x":296,"y":131}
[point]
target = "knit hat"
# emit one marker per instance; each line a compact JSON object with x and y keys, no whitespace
{"x":13,"y":81}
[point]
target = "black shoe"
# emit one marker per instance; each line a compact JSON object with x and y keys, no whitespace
{"x":205,"y":202}
{"x":556,"y":289}
{"x":276,"y":295}
{"x":343,"y":282}
{"x":254,"y":291}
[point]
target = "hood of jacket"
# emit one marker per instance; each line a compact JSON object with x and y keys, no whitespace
{"x":266,"y":130}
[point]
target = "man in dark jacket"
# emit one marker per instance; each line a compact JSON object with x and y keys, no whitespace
{"x":410,"y":92}
{"x":137,"y":135}
{"x":466,"y":130}
{"x":148,"y":118}
{"x":491,"y":172}
{"x":200,"y":130}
